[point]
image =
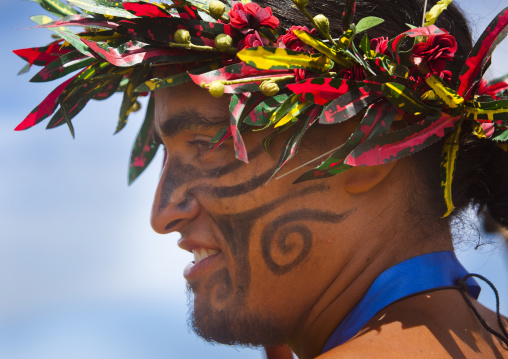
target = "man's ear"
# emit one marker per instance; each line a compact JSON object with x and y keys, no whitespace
{"x":363,"y":178}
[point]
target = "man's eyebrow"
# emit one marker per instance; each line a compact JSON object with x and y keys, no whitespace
{"x":189,"y":120}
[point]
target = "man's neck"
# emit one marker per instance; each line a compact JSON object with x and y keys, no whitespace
{"x":353,"y":281}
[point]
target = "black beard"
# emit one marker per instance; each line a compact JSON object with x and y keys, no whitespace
{"x":230,"y":325}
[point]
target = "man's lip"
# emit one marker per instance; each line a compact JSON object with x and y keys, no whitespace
{"x":194,"y":270}
{"x":190,"y":243}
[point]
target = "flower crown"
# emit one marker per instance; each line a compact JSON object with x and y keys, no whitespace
{"x":286,"y":79}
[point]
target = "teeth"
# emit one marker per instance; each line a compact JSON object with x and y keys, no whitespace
{"x":202,"y":253}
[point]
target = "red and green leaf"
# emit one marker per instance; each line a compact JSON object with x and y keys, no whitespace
{"x":404,"y":99}
{"x":473,"y":69}
{"x":261,"y":114}
{"x":292,"y":144}
{"x":348,"y":105}
{"x":45,"y":108}
{"x":498,"y":86}
{"x":237,"y":72}
{"x":394,"y":145}
{"x":145,"y":148}
{"x":162,"y":29}
{"x":130,"y":97}
{"x":348,"y":14}
{"x":41,"y":56}
{"x":377,"y":120}
{"x":236,"y":108}
{"x":89,"y":21}
{"x":63,"y":66}
{"x":133,"y":53}
{"x":322,"y":90}
{"x":144,"y":9}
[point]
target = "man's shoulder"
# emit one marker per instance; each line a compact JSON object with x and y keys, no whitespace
{"x":395,"y":341}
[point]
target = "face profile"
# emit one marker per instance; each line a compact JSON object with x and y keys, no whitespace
{"x":248,"y":247}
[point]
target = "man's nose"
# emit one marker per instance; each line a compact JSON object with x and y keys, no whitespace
{"x":174,"y":206}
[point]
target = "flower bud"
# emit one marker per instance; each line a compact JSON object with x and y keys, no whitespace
{"x":301,"y":3}
{"x":223,"y":42}
{"x":136,"y":106}
{"x":182,"y":36}
{"x":269,"y":88}
{"x":323,"y":23}
{"x":216,"y":9}
{"x":216,"y":88}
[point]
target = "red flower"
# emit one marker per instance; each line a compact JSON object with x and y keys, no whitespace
{"x":435,"y":52}
{"x":292,"y":42}
{"x":252,"y":16}
{"x":380,"y":45}
{"x":357,"y":73}
{"x":251,"y":40}
{"x":301,"y":74}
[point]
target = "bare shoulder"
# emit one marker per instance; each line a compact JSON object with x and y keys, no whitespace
{"x":449,"y":330}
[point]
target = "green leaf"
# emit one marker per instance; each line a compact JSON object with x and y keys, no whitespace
{"x":62,"y":66}
{"x":144,"y":148}
{"x":365,"y":44}
{"x":271,"y":58}
{"x":56,"y":7}
{"x":67,"y":119}
{"x":491,"y":111}
{"x":367,"y":23}
{"x":448,"y":164}
{"x":377,"y":120}
{"x":503,"y":137}
{"x":261,"y":114}
{"x":401,"y":97}
{"x":130,"y":97}
{"x":98,"y":7}
{"x":338,"y":57}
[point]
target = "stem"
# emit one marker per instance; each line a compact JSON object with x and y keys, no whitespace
{"x":424,"y":12}
{"x":309,"y":16}
{"x":246,"y":81}
{"x":232,"y":50}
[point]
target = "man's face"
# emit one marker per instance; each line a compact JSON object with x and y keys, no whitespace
{"x":264,"y":252}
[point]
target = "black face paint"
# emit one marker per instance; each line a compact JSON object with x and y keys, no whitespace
{"x":278,"y":231}
{"x":183,"y":173}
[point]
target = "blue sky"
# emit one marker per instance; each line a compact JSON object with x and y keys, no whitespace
{"x":82,"y":274}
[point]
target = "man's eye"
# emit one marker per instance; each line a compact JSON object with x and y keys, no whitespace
{"x":202,"y":147}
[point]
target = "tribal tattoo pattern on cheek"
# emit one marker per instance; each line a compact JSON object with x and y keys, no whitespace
{"x":287,"y":236}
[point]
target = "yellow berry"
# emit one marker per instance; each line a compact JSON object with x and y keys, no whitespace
{"x":216,"y":9}
{"x":223,"y":42}
{"x":269,"y":88}
{"x":216,"y":88}
{"x":182,"y":36}
{"x":323,"y":23}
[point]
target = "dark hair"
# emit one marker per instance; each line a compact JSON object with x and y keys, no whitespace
{"x":482,"y":168}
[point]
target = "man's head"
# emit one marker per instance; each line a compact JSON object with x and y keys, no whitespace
{"x":265,"y":251}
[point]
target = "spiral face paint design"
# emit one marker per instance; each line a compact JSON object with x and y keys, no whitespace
{"x":286,"y":241}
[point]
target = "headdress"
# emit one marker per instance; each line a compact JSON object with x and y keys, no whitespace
{"x":290,"y":79}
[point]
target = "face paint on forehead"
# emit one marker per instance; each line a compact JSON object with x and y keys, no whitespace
{"x":180,"y":174}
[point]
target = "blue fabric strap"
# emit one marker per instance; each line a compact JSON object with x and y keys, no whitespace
{"x":419,"y":274}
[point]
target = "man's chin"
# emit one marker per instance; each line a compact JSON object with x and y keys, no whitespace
{"x":231,"y":325}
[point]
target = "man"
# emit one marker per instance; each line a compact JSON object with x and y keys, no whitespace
{"x":359,"y":264}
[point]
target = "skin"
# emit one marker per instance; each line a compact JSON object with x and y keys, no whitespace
{"x":293,"y":260}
